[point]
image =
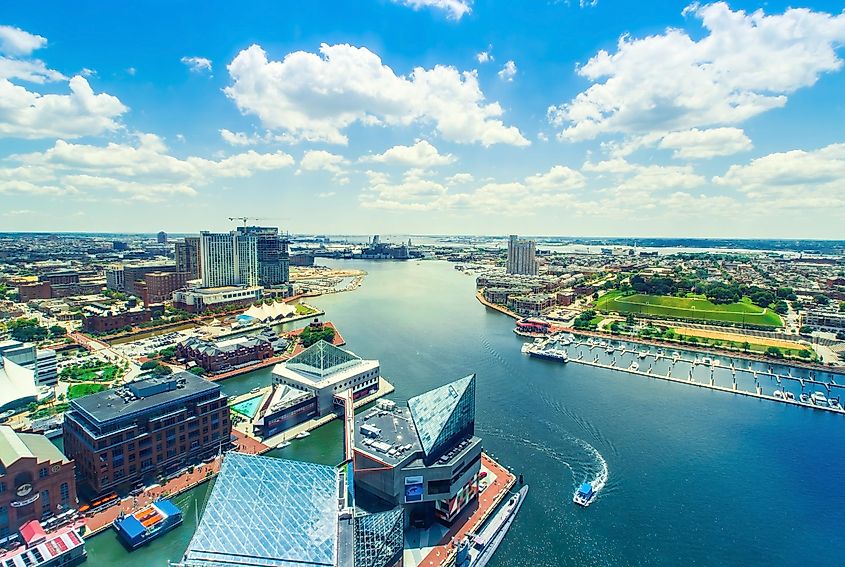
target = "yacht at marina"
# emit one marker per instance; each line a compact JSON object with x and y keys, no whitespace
{"x":819,"y":399}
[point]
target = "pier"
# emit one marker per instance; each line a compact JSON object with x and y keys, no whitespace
{"x":650,"y":358}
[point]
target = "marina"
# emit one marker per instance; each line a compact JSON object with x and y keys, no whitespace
{"x":774,"y":382}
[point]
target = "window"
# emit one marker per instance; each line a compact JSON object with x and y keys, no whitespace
{"x":64,"y":493}
{"x":43,"y":472}
{"x":2,"y":487}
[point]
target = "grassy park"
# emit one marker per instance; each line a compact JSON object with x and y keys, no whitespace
{"x":691,"y":308}
{"x":78,"y":390}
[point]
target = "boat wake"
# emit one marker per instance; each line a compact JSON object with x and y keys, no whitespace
{"x":601,"y":475}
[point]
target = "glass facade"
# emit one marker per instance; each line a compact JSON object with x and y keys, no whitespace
{"x":444,"y":415}
{"x":379,"y":539}
{"x":268,"y":512}
{"x":322,"y":359}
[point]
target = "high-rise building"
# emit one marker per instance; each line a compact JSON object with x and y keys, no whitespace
{"x":187,"y":255}
{"x":522,"y":257}
{"x":273,"y":259}
{"x":229,"y":258}
{"x":162,"y":237}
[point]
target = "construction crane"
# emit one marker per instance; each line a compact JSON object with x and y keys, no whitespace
{"x":245,"y":219}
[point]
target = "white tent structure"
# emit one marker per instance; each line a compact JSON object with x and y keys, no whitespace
{"x":17,"y":385}
{"x":273,"y":312}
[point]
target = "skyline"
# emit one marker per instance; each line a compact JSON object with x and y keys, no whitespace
{"x":568,"y":120}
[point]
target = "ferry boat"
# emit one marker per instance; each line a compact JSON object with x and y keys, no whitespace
{"x":550,"y":353}
{"x":476,"y":550}
{"x":585,"y":495}
{"x":301,"y":435}
{"x":147,"y":523}
{"x":818,"y":398}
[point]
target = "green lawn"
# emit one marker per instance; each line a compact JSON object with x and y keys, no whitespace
{"x":743,"y":312}
{"x":302,"y":309}
{"x":79,"y":390}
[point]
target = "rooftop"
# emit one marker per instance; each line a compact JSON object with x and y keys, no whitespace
{"x":396,"y":432}
{"x":141,"y":395}
{"x":322,"y":359}
{"x":441,"y":413}
{"x":15,"y":446}
{"x":268,"y":512}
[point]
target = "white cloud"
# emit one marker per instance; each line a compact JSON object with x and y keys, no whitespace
{"x":508,"y":71}
{"x":744,"y":65}
{"x":197,"y":64}
{"x":315,"y":97}
{"x":143,"y":170}
{"x":31,"y":70}
{"x":421,"y":154}
{"x":484,"y":56}
{"x":237,"y":138}
{"x":702,"y":144}
{"x":27,"y":114}
{"x":455,"y":9}
{"x":15,"y":41}
{"x":326,"y":194}
{"x":795,"y":179}
{"x":316,"y":160}
{"x":459,"y":178}
{"x":131,"y":71}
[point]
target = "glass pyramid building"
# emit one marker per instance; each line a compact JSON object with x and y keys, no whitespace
{"x":379,"y":538}
{"x":443,"y":415}
{"x":322,"y":359}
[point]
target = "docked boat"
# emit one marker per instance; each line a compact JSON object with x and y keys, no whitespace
{"x":634,"y":366}
{"x":609,"y":350}
{"x":778,"y":394}
{"x":676,"y":355}
{"x":476,"y":550}
{"x":707,"y":361}
{"x":789,"y":395}
{"x":566,"y":339}
{"x":818,"y":398}
{"x":584,"y":495}
{"x":301,"y":435}
{"x":550,"y":353}
{"x":643,"y":353}
{"x":526,"y":347}
{"x":804,"y":397}
{"x":833,"y":402}
{"x":148,"y":523}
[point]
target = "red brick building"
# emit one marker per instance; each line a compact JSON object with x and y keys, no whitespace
{"x":36,"y":481}
{"x":112,"y":321}
{"x":154,"y":426}
{"x":215,"y":357}
{"x":37,"y":290}
{"x":158,"y":287}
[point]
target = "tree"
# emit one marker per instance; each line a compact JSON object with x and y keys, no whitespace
{"x":162,"y":370}
{"x":26,"y":330}
{"x":746,"y":346}
{"x":774,"y":352}
{"x":821,"y":299}
{"x":805,"y":330}
{"x":57,"y":331}
{"x":198,"y":370}
{"x":781,"y":307}
{"x":149,"y":365}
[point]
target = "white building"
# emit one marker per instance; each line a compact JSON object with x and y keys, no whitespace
{"x":522,"y":257}
{"x":229,"y":258}
{"x":197,"y":300}
{"x":325,"y":371}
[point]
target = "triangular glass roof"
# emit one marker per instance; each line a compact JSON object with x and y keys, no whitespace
{"x":322,"y":359}
{"x":441,"y":413}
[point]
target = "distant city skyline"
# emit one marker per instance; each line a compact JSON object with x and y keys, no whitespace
{"x":460,"y":117}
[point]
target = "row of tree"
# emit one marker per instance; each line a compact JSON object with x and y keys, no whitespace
{"x":717,"y":292}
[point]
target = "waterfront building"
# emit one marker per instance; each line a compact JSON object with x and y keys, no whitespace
{"x":531,"y":305}
{"x":63,"y":547}
{"x":273,"y":258}
{"x":216,"y":356}
{"x":302,"y":259}
{"x":228,"y":259}
{"x":522,"y":256}
{"x":46,"y":367}
{"x":284,"y":408}
{"x":125,"y":436}
{"x":825,"y":320}
{"x":36,"y":481}
{"x":272,"y":512}
{"x":424,"y":457}
{"x":187,"y":256}
{"x":326,"y":371}
{"x":158,"y":287}
{"x":198,"y":300}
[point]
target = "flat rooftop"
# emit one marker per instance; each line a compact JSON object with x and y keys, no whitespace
{"x":121,"y":402}
{"x":396,"y":430}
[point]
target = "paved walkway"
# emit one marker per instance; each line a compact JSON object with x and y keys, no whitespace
{"x":102,"y":520}
{"x":500,"y":483}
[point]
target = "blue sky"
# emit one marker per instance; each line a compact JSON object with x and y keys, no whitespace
{"x":425,"y":116}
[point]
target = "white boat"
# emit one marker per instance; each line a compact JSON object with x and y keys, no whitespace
{"x":476,"y":550}
{"x":566,"y":339}
{"x":818,"y":398}
{"x":643,"y":353}
{"x":778,"y":394}
{"x":585,"y":494}
{"x":301,"y":435}
{"x":789,"y":395}
{"x":707,"y":360}
{"x":526,"y":347}
{"x":283,"y":444}
{"x":609,"y":350}
{"x":634,"y":366}
{"x":676,"y":355}
{"x":833,"y":402}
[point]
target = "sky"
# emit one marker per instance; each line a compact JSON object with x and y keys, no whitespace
{"x":569,"y":118}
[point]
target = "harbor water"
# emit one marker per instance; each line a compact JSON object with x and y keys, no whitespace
{"x":692,"y":476}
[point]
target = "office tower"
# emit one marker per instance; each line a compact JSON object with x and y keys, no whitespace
{"x":273,"y":259}
{"x":187,"y":255}
{"x":522,"y":257}
{"x":162,"y":237}
{"x":229,"y":258}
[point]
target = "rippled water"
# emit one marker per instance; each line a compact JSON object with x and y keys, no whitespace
{"x":694,"y":477}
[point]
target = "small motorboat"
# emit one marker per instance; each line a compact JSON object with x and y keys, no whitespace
{"x":301,"y":435}
{"x":818,"y":399}
{"x":634,"y":366}
{"x":584,"y":495}
{"x":804,"y":397}
{"x":833,"y":402}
